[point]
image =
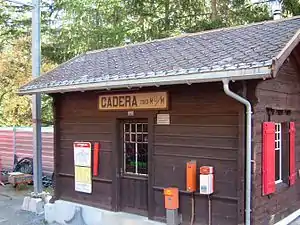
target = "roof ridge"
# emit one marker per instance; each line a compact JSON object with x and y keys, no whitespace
{"x":192,"y":34}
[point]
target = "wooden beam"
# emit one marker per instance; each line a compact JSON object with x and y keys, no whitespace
{"x":295,"y":61}
{"x":295,"y":58}
{"x":151,"y":169}
{"x":56,"y":147}
{"x":115,"y":167}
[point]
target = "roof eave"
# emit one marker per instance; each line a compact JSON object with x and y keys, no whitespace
{"x":280,"y":58}
{"x":263,"y":72}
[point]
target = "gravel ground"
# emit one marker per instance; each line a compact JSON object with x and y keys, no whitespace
{"x":10,"y":208}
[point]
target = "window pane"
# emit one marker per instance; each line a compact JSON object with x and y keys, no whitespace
{"x":139,"y":127}
{"x":142,"y":158}
{"x":277,"y":163}
{"x":145,"y":128}
{"x":139,"y":137}
{"x":130,"y":159}
{"x":133,"y":137}
{"x":133,"y":127}
{"x":127,"y":127}
{"x":127,"y":137}
{"x":145,"y":138}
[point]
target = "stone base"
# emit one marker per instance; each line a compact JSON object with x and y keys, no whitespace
{"x":291,"y":219}
{"x":35,"y":205}
{"x":64,"y":212}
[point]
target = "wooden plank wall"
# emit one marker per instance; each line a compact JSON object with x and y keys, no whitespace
{"x":205,"y":125}
{"x":80,"y":120}
{"x":205,"y":129}
{"x":279,"y":93}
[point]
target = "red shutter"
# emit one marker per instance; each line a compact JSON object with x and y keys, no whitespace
{"x":292,"y":154}
{"x":268,"y":158}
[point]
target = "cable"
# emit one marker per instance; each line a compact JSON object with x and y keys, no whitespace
{"x":209,"y":210}
{"x":193,"y":209}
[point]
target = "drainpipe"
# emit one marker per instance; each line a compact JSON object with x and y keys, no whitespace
{"x":248,"y":146}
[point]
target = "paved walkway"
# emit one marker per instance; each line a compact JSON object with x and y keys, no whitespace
{"x":10,"y":208}
{"x":296,"y":222}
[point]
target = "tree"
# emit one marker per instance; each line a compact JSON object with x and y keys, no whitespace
{"x":14,"y":21}
{"x":96,"y":24}
{"x":15,"y":70}
{"x":291,"y":7}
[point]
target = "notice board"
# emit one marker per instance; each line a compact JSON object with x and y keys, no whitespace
{"x":82,"y":164}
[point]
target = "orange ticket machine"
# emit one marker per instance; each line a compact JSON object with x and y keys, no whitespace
{"x":171,"y":198}
{"x":172,"y":204}
{"x":191,"y":175}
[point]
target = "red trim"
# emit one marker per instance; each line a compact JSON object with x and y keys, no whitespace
{"x":96,"y":159}
{"x":292,"y":177}
{"x":82,"y":144}
{"x":268,"y":158}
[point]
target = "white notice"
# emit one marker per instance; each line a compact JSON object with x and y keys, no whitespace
{"x":163,"y":119}
{"x":82,"y":154}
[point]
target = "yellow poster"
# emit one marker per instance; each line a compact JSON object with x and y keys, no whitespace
{"x":83,"y":179}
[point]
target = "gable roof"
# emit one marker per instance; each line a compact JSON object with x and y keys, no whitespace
{"x":238,"y":53}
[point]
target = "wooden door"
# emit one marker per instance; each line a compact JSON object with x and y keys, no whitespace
{"x":134,"y":167}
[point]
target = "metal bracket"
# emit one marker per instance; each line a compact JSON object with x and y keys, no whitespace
{"x":77,"y":218}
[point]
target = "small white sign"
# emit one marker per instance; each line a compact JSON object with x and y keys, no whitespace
{"x":163,"y":119}
{"x":86,"y":188}
{"x":82,"y":154}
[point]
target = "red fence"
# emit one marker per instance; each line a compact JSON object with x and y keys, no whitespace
{"x":19,"y":140}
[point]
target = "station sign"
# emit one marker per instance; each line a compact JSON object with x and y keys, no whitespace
{"x":134,"y":101}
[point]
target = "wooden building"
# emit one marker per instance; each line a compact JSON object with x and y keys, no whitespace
{"x":154,"y":106}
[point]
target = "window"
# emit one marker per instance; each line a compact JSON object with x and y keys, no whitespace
{"x":136,"y":148}
{"x":278,"y":153}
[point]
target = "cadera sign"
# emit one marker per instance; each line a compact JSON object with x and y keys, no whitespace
{"x":151,"y":100}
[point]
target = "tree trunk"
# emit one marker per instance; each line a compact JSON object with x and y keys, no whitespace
{"x":213,"y":9}
{"x":167,"y":15}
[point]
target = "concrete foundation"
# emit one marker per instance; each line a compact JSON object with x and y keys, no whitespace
{"x":35,"y":205}
{"x":64,"y":212}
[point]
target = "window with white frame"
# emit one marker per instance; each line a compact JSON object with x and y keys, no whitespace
{"x":136,"y":148}
{"x":278,"y":153}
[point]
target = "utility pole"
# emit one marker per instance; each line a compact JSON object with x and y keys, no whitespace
{"x":36,"y":98}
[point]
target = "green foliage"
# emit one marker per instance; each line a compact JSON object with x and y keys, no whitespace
{"x":13,"y":22}
{"x":15,"y":70}
{"x":95,"y":24}
{"x":291,"y":7}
